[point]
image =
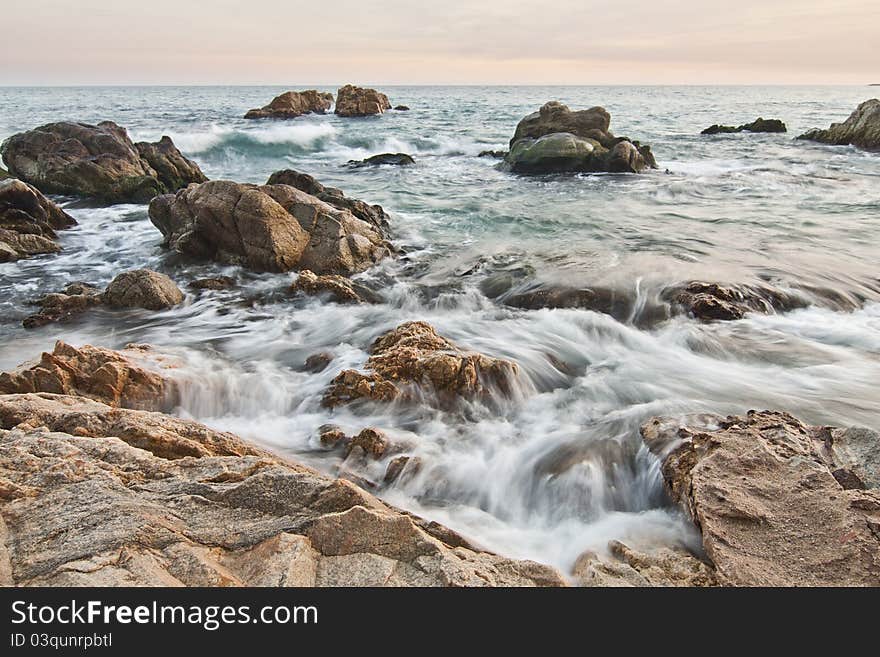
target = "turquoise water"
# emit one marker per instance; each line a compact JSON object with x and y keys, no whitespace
{"x":731,"y":208}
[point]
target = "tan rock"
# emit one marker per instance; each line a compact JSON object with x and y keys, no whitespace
{"x":292,"y":104}
{"x":142,"y":288}
{"x":333,"y":287}
{"x":28,"y":221}
{"x":627,"y":567}
{"x":359,"y":101}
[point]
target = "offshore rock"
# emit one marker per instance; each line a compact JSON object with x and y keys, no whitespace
{"x":28,"y":221}
{"x":861,"y":129}
{"x":758,"y":125}
{"x":358,"y":101}
{"x":391,"y":159}
{"x":292,"y":104}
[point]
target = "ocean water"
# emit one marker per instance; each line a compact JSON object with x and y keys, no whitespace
{"x":559,"y":468}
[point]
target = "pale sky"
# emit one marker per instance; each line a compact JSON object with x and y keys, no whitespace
{"x":297,"y":42}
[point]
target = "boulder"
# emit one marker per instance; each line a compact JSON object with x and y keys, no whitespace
{"x":266,"y":228}
{"x":64,"y":306}
{"x":333,"y":287}
{"x":773,"y":500}
{"x":291,"y":104}
{"x":758,"y":125}
{"x":861,"y":129}
{"x":358,"y":101}
{"x":97,"y":161}
{"x":28,"y":221}
{"x":412,"y":361}
{"x":713,"y":301}
{"x":142,"y":288}
{"x":393,"y":159}
{"x":372,"y":214}
{"x":130,"y":378}
{"x":555,"y":139}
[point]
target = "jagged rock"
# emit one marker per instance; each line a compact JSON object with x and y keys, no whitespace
{"x":764,"y":491}
{"x":391,"y":159}
{"x":28,"y":221}
{"x":712,"y":301}
{"x":63,"y":306}
{"x":213,"y":283}
{"x":93,"y":495}
{"x":861,"y":129}
{"x":758,"y":125}
{"x":333,"y":287}
{"x":413,"y":360}
{"x":142,"y":288}
{"x":373,"y":442}
{"x":628,"y":567}
{"x":358,"y":101}
{"x":266,"y":228}
{"x":291,"y":104}
{"x":556,"y":139}
{"x":98,"y":161}
{"x":130,"y":378}
{"x":500,"y":155}
{"x":331,"y":436}
{"x":372,"y":214}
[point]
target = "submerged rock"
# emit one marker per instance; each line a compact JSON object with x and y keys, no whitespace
{"x":63,"y":306}
{"x":393,"y":159}
{"x":266,"y":228}
{"x":713,"y":301}
{"x":861,"y":129}
{"x":213,"y":283}
{"x":556,"y":139}
{"x":358,"y":101}
{"x":28,"y":221}
{"x":291,"y":104}
{"x":765,"y":492}
{"x":142,"y":288}
{"x":758,"y":125}
{"x":97,"y":161}
{"x":333,"y":287}
{"x":412,"y":361}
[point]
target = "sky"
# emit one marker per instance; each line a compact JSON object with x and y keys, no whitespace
{"x":578,"y":42}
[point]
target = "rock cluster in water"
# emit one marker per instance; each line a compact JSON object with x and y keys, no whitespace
{"x":97,"y":161}
{"x":861,"y":129}
{"x":28,"y":221}
{"x":393,"y":159}
{"x":758,"y":125}
{"x":291,"y":104}
{"x":556,"y":139}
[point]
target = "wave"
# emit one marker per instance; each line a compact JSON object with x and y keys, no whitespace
{"x":217,"y":139}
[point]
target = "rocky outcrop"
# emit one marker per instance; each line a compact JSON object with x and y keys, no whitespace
{"x":63,"y":306}
{"x":97,"y":161}
{"x":266,"y":228}
{"x":861,"y":129}
{"x":758,"y":125}
{"x":556,"y":139}
{"x":142,"y":288}
{"x":358,"y":101}
{"x":333,"y":288}
{"x":626,"y":567}
{"x":28,"y":221}
{"x":412,"y":361}
{"x":778,"y":503}
{"x":391,"y":159}
{"x":713,"y":301}
{"x":130,"y":378}
{"x":372,"y":214}
{"x":292,"y":104}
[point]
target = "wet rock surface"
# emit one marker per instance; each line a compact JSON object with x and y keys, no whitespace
{"x":64,"y":306}
{"x":714,"y":301}
{"x":28,"y":221}
{"x":861,"y":129}
{"x":390,"y":159}
{"x":333,"y":288}
{"x":292,"y":104}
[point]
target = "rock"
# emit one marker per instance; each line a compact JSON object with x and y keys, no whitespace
{"x":712,"y":301}
{"x":392,"y":159}
{"x":213,"y":283}
{"x":291,"y":104}
{"x":64,"y":306}
{"x":101,"y":496}
{"x":28,"y":221}
{"x":401,"y":108}
{"x":318,"y":362}
{"x":413,"y":361}
{"x":402,"y":468}
{"x":4,"y":174}
{"x":556,"y":139}
{"x":496,"y":154}
{"x":142,"y":288}
{"x":332,"y":436}
{"x":861,"y":129}
{"x":266,"y":228}
{"x":627,"y":567}
{"x":373,"y":442}
{"x":98,"y":161}
{"x":761,"y":489}
{"x":130,"y":378}
{"x":372,"y":214}
{"x":332,"y":287}
{"x":357,"y":101}
{"x":758,"y":125}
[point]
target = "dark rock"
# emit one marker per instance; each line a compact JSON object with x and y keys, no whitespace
{"x":318,"y":362}
{"x":291,"y":104}
{"x":393,"y":159}
{"x":358,"y":101}
{"x":402,"y":468}
{"x":758,"y":125}
{"x":500,"y":155}
{"x":712,"y":301}
{"x":172,"y":168}
{"x":28,"y":221}
{"x":401,"y":108}
{"x":142,"y":288}
{"x":213,"y":283}
{"x":861,"y":129}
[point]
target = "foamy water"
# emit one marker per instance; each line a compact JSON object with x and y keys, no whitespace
{"x":560,"y":467}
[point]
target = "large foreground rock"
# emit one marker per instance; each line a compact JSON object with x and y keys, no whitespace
{"x":358,"y":101}
{"x":413,"y":361}
{"x":861,"y":129}
{"x":778,"y":503}
{"x":28,"y":221}
{"x":556,"y":139}
{"x":96,"y":496}
{"x":291,"y":104}
{"x":266,"y":228}
{"x":98,"y":161}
